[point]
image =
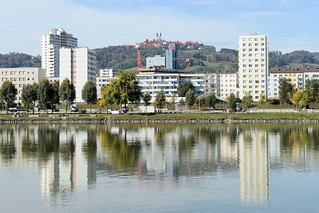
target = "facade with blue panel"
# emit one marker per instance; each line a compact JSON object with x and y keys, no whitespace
{"x":171,"y":53}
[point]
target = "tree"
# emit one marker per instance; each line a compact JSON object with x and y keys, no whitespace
{"x":181,"y":104}
{"x":284,"y":88}
{"x":160,"y":100}
{"x":183,"y":88}
{"x":263,"y":99}
{"x":211,"y":100}
{"x":89,"y":94}
{"x":312,"y":88}
{"x":8,"y":93}
{"x":123,"y":89}
{"x":305,"y":100}
{"x":190,"y":98}
{"x":299,"y":98}
{"x":29,"y":94}
{"x":67,"y":92}
{"x":231,"y":101}
{"x":46,"y":94}
{"x":146,"y":97}
{"x":247,"y":100}
{"x":106,"y":97}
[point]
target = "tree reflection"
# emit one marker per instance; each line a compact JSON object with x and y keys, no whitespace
{"x":122,"y":155}
{"x":7,"y":144}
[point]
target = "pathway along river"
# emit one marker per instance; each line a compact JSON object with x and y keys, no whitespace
{"x":159,"y":168}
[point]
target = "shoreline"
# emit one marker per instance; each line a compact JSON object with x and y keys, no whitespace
{"x":183,"y":118}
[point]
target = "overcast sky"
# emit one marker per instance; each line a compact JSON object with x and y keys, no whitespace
{"x":290,"y":24}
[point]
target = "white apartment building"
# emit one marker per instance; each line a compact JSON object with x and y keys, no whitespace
{"x":103,"y":78}
{"x":154,"y":82}
{"x":226,"y":84}
{"x":50,"y":46}
{"x":79,"y":66}
{"x":21,"y":76}
{"x":253,"y":65}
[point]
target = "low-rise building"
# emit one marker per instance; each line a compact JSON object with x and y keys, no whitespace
{"x":296,"y":76}
{"x":21,"y":76}
{"x":103,"y":78}
{"x":156,"y":79}
{"x":157,"y":61}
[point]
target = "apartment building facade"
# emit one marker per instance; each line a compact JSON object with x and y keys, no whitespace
{"x":79,"y":66}
{"x":21,"y":76}
{"x":296,"y":76}
{"x":154,"y":82}
{"x":227,"y":83}
{"x":50,"y":46}
{"x":253,"y":65}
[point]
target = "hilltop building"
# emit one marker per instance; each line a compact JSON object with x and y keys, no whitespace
{"x":253,"y":65}
{"x":21,"y":76}
{"x":79,"y":66}
{"x":50,"y":46}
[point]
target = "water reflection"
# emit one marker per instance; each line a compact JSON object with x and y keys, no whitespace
{"x":72,"y":158}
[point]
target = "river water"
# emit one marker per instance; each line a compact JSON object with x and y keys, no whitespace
{"x":162,"y":168}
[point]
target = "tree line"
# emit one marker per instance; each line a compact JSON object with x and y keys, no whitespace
{"x":45,"y":93}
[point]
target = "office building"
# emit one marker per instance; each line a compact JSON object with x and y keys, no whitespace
{"x":171,"y":53}
{"x":79,"y":66}
{"x":253,"y":65}
{"x":50,"y":46}
{"x":21,"y":76}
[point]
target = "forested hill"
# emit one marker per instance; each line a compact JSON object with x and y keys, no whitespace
{"x":125,"y":58}
{"x":13,"y":59}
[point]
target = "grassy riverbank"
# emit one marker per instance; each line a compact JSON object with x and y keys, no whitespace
{"x":187,"y":117}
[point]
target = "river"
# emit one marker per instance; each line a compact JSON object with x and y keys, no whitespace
{"x":159,"y":168}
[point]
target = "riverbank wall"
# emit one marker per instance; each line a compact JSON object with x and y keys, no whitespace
{"x":109,"y":120}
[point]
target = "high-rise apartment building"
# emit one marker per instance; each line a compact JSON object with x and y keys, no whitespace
{"x":50,"y":46}
{"x":253,"y":65}
{"x":79,"y":66}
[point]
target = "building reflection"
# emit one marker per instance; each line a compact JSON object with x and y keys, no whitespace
{"x":254,"y":166}
{"x":72,"y":165}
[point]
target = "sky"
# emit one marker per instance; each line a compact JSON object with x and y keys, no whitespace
{"x":290,"y":24}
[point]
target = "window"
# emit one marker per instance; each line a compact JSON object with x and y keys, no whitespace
{"x":256,"y":44}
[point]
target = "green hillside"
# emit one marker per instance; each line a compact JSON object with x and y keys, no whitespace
{"x":125,"y":58}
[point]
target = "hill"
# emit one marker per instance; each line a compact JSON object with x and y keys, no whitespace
{"x":13,"y":59}
{"x":125,"y":58}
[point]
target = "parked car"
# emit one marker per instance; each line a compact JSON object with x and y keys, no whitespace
{"x":74,"y":108}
